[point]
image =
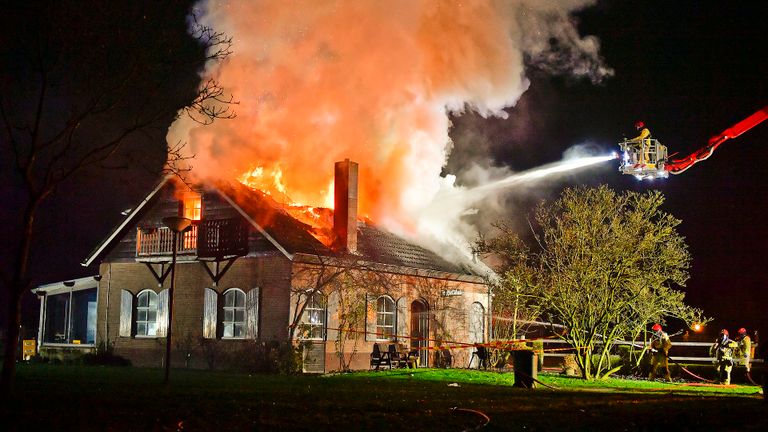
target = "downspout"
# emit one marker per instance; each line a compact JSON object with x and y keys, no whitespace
{"x":106,"y":308}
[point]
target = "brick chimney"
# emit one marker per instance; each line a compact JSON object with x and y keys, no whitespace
{"x":345,"y":205}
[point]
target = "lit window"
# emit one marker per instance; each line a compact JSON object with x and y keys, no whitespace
{"x":192,"y":206}
{"x":146,"y":314}
{"x":234,"y":313}
{"x":314,"y":317}
{"x":385,"y":318}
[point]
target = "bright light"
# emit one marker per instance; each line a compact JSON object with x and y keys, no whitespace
{"x":697,"y":327}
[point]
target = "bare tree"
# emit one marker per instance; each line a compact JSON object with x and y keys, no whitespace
{"x":604,"y":265}
{"x":83,"y":84}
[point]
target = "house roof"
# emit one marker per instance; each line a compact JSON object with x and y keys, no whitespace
{"x":291,"y":236}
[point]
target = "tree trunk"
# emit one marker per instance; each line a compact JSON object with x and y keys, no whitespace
{"x":11,"y":342}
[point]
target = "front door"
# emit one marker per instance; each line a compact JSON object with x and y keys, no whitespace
{"x":420,"y":330}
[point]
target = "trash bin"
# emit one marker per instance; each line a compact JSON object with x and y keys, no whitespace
{"x":525,"y":363}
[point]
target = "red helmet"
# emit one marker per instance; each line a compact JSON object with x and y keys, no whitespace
{"x":742,"y":331}
{"x":639,"y":124}
{"x":724,"y":331}
{"x":656,"y":327}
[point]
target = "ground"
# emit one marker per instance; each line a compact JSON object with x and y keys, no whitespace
{"x":110,"y":398}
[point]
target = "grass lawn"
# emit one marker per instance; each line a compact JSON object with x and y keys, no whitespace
{"x":50,"y":397}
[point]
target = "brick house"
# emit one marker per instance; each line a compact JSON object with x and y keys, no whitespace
{"x":250,"y":271}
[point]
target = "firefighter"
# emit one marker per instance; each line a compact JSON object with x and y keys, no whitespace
{"x":723,"y":350}
{"x":643,"y":147}
{"x":660,"y":345}
{"x":744,"y":351}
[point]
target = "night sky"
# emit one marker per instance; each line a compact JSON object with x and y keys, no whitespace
{"x":688,"y":69}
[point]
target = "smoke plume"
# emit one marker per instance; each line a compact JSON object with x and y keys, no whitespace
{"x":373,"y":81}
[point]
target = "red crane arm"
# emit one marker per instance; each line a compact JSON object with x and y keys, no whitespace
{"x":677,"y":166}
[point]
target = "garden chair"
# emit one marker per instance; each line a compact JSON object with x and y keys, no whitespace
{"x":378,"y":358}
{"x":482,"y":357}
{"x":396,"y":357}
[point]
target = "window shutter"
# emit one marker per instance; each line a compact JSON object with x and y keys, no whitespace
{"x":252,"y":313}
{"x":162,"y":313}
{"x":401,"y":318}
{"x":126,"y":313}
{"x":370,"y":317}
{"x":332,"y":316}
{"x":210,"y":313}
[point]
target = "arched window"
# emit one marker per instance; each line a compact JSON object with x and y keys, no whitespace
{"x":314,"y":317}
{"x":234,"y":313}
{"x":385,"y":318}
{"x":476,"y":323}
{"x":146,"y":313}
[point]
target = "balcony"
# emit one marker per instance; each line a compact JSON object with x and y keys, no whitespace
{"x":210,"y":239}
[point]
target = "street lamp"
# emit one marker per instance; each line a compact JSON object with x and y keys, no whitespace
{"x":177,"y":225}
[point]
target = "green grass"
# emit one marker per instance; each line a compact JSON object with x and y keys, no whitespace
{"x":101,"y":398}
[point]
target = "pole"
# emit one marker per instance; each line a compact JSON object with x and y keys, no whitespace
{"x":170,"y":309}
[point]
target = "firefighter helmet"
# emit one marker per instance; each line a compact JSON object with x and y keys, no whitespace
{"x":742,"y":331}
{"x":656,"y":327}
{"x":724,"y":332}
{"x":639,"y":124}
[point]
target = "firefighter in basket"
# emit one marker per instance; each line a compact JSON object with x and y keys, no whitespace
{"x":660,"y":345}
{"x":723,"y":350}
{"x":642,"y":143}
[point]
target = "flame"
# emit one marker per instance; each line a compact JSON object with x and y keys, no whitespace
{"x":372,"y":81}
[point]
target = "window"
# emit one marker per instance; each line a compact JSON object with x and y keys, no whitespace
{"x":70,"y":317}
{"x":314,"y":317}
{"x":385,"y":318}
{"x":146,"y":314}
{"x":192,"y":206}
{"x":234,"y":313}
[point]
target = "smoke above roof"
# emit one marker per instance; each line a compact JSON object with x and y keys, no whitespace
{"x":373,"y":81}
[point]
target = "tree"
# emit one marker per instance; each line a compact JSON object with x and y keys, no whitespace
{"x":87,"y":86}
{"x":604,"y":266}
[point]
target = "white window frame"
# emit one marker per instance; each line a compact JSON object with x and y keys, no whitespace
{"x":383,"y":315}
{"x":234,"y":309}
{"x":320,"y":307}
{"x":148,"y":308}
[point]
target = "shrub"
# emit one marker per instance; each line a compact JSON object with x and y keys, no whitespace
{"x":104,"y":358}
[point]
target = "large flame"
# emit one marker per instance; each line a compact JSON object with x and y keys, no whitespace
{"x":369,"y":80}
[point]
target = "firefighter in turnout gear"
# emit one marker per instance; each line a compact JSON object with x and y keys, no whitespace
{"x":642,"y":142}
{"x":660,"y":345}
{"x":723,"y":350}
{"x":744,"y":351}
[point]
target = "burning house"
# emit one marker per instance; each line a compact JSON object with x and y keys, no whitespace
{"x":251,"y":270}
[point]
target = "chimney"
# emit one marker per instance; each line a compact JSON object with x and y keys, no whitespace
{"x":345,"y":204}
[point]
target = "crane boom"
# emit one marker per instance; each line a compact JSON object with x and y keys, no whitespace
{"x":647,"y":158}
{"x":677,"y":166}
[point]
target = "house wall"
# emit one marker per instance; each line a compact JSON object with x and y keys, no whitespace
{"x":271,"y":273}
{"x":449,"y":315}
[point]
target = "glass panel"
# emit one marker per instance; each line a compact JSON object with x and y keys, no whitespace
{"x":143,"y":299}
{"x":151,"y":328}
{"x":141,"y":329}
{"x":239,"y":330}
{"x":152,"y":299}
{"x":229,"y":299}
{"x":239,"y":315}
{"x":56,"y":310}
{"x":228,"y":329}
{"x":141,"y":315}
{"x":83,"y":304}
{"x":229,"y":315}
{"x":239,"y":299}
{"x":152,"y":315}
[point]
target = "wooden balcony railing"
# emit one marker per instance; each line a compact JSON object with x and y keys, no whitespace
{"x":213,"y":238}
{"x":159,"y":241}
{"x":221,"y":238}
